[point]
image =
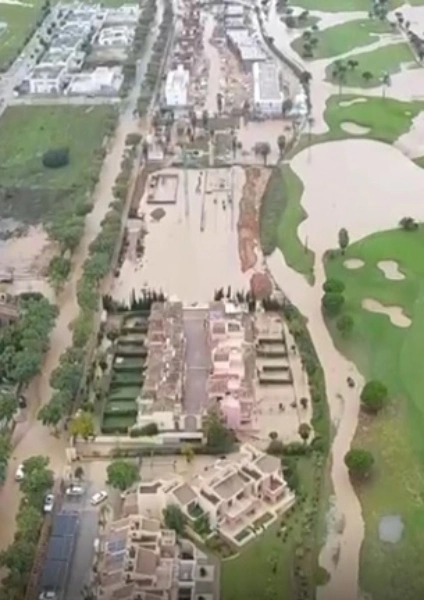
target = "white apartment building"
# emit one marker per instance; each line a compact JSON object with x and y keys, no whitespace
{"x":46,"y":80}
{"x":116,"y":36}
{"x":176,"y":88}
{"x":103,"y":81}
{"x":267,"y":94}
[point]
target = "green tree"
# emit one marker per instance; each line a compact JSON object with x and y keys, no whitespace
{"x":281,"y":141}
{"x":218,"y":437}
{"x":18,"y":557}
{"x":304,"y":431}
{"x":273,"y":435}
{"x":52,"y":413}
{"x":359,"y":462}
{"x":343,"y":239}
{"x":29,"y":520}
{"x":122,"y":474}
{"x":344,"y":324}
{"x":38,"y":480}
{"x":174,"y":519}
{"x":188,"y":452}
{"x":82,"y":425}
{"x":332,"y":303}
{"x":374,"y":396}
{"x":275,"y":448}
{"x":149,"y":430}
{"x":333,"y":286}
{"x":8,"y":406}
{"x":408,"y":224}
{"x":263,"y":149}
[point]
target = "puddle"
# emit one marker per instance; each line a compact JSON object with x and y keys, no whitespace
{"x":391,"y":270}
{"x":351,"y":102}
{"x":390,"y":529}
{"x":353,"y":263}
{"x":395,"y":313}
{"x":354,"y":128}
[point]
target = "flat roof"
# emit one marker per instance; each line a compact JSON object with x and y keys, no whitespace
{"x":266,"y":82}
{"x":230,"y":486}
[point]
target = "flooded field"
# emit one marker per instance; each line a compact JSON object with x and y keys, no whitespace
{"x":193,"y":250}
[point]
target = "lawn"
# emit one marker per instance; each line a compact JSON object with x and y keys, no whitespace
{"x":393,"y":355}
{"x":340,"y":39}
{"x":388,"y":59}
{"x":281,"y":215}
{"x":386,"y":119}
{"x":21,"y":22}
{"x":296,"y":255}
{"x":26,"y":133}
{"x":263,"y":569}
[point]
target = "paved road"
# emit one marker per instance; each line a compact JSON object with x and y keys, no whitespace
{"x":197,"y":361}
{"x":80,"y":568}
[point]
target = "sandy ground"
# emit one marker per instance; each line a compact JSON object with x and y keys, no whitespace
{"x":353,"y":128}
{"x":395,"y":313}
{"x":26,"y":258}
{"x":353,"y":263}
{"x":391,"y":270}
{"x":182,"y":259}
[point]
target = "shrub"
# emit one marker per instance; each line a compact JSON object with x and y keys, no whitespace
{"x":374,"y":396}
{"x":56,"y":158}
{"x":334,"y":285}
{"x":359,"y":462}
{"x":332,"y":303}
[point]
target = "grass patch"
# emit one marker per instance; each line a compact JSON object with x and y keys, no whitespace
{"x":33,"y":192}
{"x":342,"y":38}
{"x":388,"y":59}
{"x":386,"y":119}
{"x":393,"y":355}
{"x":296,"y":255}
{"x":21,"y":22}
{"x":263,"y":569}
{"x":281,"y":213}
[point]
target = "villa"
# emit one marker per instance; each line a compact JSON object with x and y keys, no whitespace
{"x":234,"y":494}
{"x":140,"y":560}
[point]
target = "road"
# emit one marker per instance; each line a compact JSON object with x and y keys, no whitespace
{"x":31,"y":437}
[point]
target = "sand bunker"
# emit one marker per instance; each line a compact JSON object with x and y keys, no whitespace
{"x":390,"y":529}
{"x":395,"y":313}
{"x":391,"y":270}
{"x":350,"y":102}
{"x":354,"y":128}
{"x":353,"y":263}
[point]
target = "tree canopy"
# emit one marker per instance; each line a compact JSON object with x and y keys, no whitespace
{"x":343,"y":239}
{"x":332,"y":303}
{"x":333,"y":286}
{"x":345,"y":324}
{"x":359,"y":462}
{"x":56,"y":158}
{"x":38,"y":479}
{"x":174,"y":519}
{"x":218,"y":437}
{"x":122,"y":474}
{"x":82,"y":425}
{"x":374,"y":396}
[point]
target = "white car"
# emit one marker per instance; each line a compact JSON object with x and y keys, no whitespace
{"x":48,"y":503}
{"x":74,"y":490}
{"x":98,"y":497}
{"x":19,"y":475}
{"x":47,"y":596}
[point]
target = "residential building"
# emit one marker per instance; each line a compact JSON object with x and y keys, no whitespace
{"x":103,"y":81}
{"x":143,"y":561}
{"x":233,"y":493}
{"x":9,"y":311}
{"x":230,"y":383}
{"x":176,"y":88}
{"x":47,"y":80}
{"x":245,"y":46}
{"x":116,"y":36}
{"x":267,"y":89}
{"x":126,"y":13}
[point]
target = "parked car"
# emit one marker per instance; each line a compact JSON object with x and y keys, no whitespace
{"x":98,"y":497}
{"x":19,"y":475}
{"x":47,"y":595}
{"x":48,"y":503}
{"x":74,"y":490}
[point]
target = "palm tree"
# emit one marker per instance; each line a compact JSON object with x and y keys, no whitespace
{"x":386,"y":82}
{"x":339,"y":74}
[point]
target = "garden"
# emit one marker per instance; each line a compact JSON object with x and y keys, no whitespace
{"x":125,"y":380}
{"x":393,"y":355}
